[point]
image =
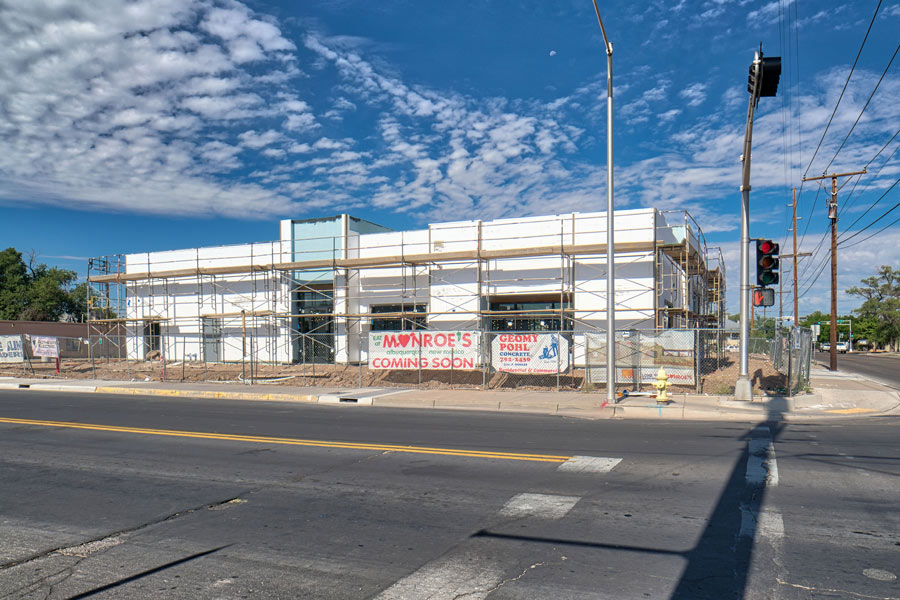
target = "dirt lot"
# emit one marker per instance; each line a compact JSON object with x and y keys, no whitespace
{"x":721,"y":381}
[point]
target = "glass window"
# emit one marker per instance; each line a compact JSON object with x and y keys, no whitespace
{"x":532,"y":315}
{"x":413,"y":317}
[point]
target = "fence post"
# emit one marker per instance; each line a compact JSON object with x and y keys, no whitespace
{"x":484,"y":359}
{"x":91,"y":354}
{"x":558,"y":362}
{"x":451,"y":367}
{"x":359,"y":353}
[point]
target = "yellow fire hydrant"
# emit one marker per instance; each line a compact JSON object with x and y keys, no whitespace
{"x":661,"y":385}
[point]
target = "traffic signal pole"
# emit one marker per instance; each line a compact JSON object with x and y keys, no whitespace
{"x":832,"y":215}
{"x":742,"y":387}
{"x":763,"y":81}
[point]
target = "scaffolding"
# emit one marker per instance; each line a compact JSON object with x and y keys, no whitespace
{"x":272,"y":303}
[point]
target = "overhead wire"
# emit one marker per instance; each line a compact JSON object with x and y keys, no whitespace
{"x":850,"y":198}
{"x":868,"y":237}
{"x":846,"y":83}
{"x":859,"y":116}
{"x":886,"y":213}
{"x":871,"y":206}
{"x":819,"y":145}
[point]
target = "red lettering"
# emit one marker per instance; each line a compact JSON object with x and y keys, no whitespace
{"x":466,"y":340}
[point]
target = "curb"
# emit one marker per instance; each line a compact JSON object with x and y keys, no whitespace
{"x":589,"y":409}
{"x":130,"y":391}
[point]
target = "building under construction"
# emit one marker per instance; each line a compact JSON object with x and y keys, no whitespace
{"x":321,"y":291}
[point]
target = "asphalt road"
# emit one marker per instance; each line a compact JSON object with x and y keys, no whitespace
{"x":884,"y":368}
{"x":130,"y":497}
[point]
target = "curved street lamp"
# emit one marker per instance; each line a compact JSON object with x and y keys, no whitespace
{"x":610,"y":226}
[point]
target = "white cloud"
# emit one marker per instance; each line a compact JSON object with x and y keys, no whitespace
{"x":251,"y":139}
{"x":669,"y":115}
{"x":126,"y":105}
{"x":695,"y":94}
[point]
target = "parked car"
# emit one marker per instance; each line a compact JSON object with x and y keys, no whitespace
{"x":842,"y":347}
{"x":732,"y":348}
{"x":826,"y":346}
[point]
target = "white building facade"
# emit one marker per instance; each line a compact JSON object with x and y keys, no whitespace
{"x":330,"y":288}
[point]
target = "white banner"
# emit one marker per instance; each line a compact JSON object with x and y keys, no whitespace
{"x":640,"y":354}
{"x":42,"y":345}
{"x":530,"y":353}
{"x":442,"y":350}
{"x":11,"y":349}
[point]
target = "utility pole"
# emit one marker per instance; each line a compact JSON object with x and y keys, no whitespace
{"x":832,"y":214}
{"x":794,"y":257}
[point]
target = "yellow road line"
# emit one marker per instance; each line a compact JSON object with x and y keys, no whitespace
{"x":850,"y":411}
{"x":294,"y":442}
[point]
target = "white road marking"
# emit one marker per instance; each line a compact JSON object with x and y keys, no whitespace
{"x":589,"y":464}
{"x":767,"y":524}
{"x":763,"y":526}
{"x":541,"y":506}
{"x":762,"y":468}
{"x":459,"y":574}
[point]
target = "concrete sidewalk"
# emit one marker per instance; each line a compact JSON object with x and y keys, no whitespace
{"x":834,"y":395}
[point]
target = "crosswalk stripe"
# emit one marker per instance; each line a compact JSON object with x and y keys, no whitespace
{"x":589,"y":464}
{"x":542,"y":506}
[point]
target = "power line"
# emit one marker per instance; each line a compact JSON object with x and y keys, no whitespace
{"x":897,"y":220}
{"x":880,"y":79}
{"x":846,"y":83}
{"x":821,"y":269}
{"x":886,"y":213}
{"x":871,"y":206}
{"x":850,"y":198}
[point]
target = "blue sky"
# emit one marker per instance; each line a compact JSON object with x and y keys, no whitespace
{"x":141,"y":125}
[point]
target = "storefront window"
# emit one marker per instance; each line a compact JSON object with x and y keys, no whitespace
{"x":410,"y":320}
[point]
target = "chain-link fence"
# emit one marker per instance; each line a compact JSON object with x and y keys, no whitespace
{"x":695,"y":360}
{"x":791,"y":355}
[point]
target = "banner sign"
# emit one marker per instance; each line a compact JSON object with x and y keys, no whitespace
{"x":530,"y":353}
{"x":640,"y":354}
{"x":442,"y":350}
{"x":11,"y":349}
{"x":44,"y":346}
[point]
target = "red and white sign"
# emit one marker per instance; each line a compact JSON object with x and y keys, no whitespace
{"x":443,"y":350}
{"x":530,"y":353}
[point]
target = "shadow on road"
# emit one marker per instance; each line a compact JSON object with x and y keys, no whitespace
{"x":718,"y":566}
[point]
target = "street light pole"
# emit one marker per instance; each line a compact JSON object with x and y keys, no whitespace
{"x":610,"y":226}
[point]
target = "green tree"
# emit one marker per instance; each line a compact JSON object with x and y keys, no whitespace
{"x":36,"y":292}
{"x":13,"y":284}
{"x":881,"y":305}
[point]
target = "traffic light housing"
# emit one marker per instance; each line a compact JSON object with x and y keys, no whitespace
{"x":769,"y":72}
{"x":766,"y":263}
{"x":764,"y":297}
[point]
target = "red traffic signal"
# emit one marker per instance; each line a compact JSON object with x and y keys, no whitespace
{"x":766,"y":263}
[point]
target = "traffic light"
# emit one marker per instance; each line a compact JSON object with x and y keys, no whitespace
{"x":769,"y":72}
{"x":766,"y":262}
{"x":763,"y":297}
